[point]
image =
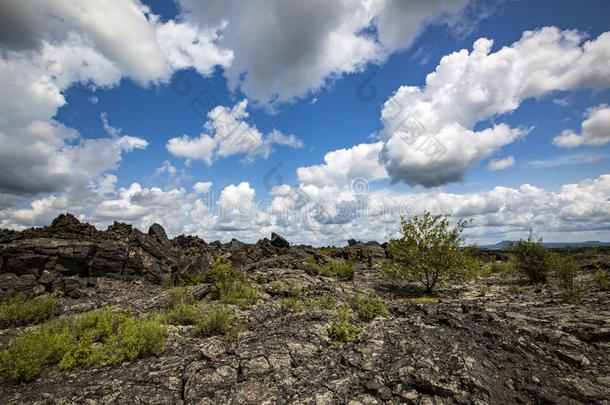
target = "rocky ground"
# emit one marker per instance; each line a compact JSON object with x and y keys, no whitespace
{"x":483,"y":342}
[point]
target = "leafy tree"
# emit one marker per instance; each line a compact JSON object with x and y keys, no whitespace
{"x":430,"y":251}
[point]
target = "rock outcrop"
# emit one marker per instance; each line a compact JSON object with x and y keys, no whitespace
{"x":47,"y":259}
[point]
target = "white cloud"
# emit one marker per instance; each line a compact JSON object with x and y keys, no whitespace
{"x":189,"y":46}
{"x":200,"y":148}
{"x":429,"y":136}
{"x":595,"y":129}
{"x":230,"y":135}
{"x":320,"y":40}
{"x":49,"y":46}
{"x":565,"y":160}
{"x":202,"y":187}
{"x":501,"y":164}
{"x":344,"y":165}
{"x":136,"y":43}
{"x":331,"y":214}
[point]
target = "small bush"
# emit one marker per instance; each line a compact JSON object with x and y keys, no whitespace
{"x":342,"y":270}
{"x":229,"y":286}
{"x":570,"y":287}
{"x":368,"y":307}
{"x":312,"y":267}
{"x":502,"y":267}
{"x":97,"y":338}
{"x":216,"y":321}
{"x":166,"y":282}
{"x":514,"y":290}
{"x":325,"y":302}
{"x":21,"y":310}
{"x":180,"y":296}
{"x":601,"y":279}
{"x":183,"y":314}
{"x":239,"y":293}
{"x":482,"y":289}
{"x":341,"y":329}
{"x":533,"y":260}
{"x":291,"y":304}
{"x":187,"y":278}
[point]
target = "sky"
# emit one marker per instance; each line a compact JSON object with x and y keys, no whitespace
{"x":320,"y":121}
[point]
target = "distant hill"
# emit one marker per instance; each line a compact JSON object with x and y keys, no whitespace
{"x":552,"y":245}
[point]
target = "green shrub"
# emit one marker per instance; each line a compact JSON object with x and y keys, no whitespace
{"x":97,"y":338}
{"x":340,"y":269}
{"x":533,"y":260}
{"x":514,"y":290}
{"x":312,"y":267}
{"x":341,"y":329}
{"x":180,"y":296}
{"x":216,"y":321}
{"x":187,"y":278}
{"x":601,"y":279}
{"x":429,"y":252}
{"x":502,"y":267}
{"x":325,"y":301}
{"x":183,"y":314}
{"x":291,"y":304}
{"x":21,"y":310}
{"x":368,"y":307}
{"x":166,"y":282}
{"x":229,"y":286}
{"x":567,"y":279}
{"x":239,"y":293}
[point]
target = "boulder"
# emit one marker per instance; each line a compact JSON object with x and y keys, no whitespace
{"x":157,"y":232}
{"x":278,"y":241}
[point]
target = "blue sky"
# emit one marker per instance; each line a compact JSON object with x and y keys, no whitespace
{"x":328,"y":110}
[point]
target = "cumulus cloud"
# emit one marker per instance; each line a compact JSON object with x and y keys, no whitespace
{"x":47,"y":157}
{"x":344,"y":165}
{"x":48,"y":46}
{"x":136,"y":35}
{"x":229,"y":134}
{"x":320,"y":39}
{"x":202,"y":187}
{"x":429,"y":137}
{"x":501,"y":164}
{"x":331,"y":214}
{"x":595,"y":129}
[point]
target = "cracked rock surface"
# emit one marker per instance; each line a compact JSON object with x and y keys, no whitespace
{"x":496,"y":347}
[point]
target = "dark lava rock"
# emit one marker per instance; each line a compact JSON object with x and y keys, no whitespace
{"x":278,"y":241}
{"x":157,"y":232}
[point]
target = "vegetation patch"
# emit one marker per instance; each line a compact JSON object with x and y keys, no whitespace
{"x":97,"y":338}
{"x":601,"y":279}
{"x":215,"y":321}
{"x":22,"y":310}
{"x":533,"y":260}
{"x":368,"y":307}
{"x":567,"y":280}
{"x":184,"y":314}
{"x":179,"y":296}
{"x":324,"y":302}
{"x":341,"y":330}
{"x":230,"y":286}
{"x":291,"y":304}
{"x":424,"y":300}
{"x":337,"y":268}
